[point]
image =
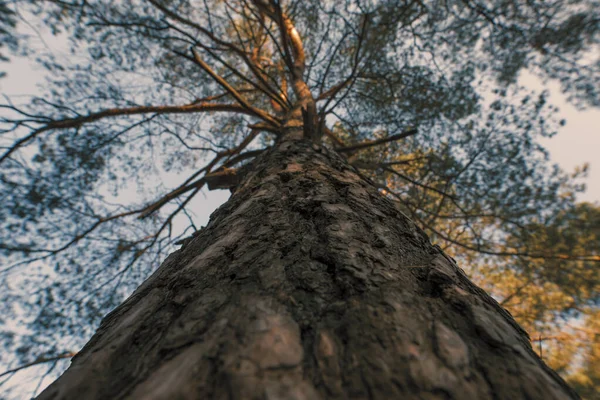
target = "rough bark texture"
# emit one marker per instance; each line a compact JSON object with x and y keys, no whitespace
{"x":308,"y":284}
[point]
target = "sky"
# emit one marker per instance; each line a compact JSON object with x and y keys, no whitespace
{"x":576,"y":143}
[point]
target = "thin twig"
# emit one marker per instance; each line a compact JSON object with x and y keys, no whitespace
{"x":40,"y":360}
{"x":377,"y":142}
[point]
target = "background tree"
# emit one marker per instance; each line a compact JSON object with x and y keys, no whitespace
{"x":7,"y":31}
{"x":157,"y":92}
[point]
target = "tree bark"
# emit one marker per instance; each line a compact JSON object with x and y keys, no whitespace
{"x":308,"y":284}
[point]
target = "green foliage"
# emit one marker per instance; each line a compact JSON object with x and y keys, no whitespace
{"x":7,"y":31}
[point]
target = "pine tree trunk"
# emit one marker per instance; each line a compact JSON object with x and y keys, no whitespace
{"x":308,"y":284}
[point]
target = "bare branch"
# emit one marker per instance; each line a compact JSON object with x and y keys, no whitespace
{"x":330,"y":94}
{"x":116,"y":112}
{"x":38,"y":361}
{"x":224,"y":178}
{"x":427,"y":187}
{"x":242,"y":157}
{"x":333,"y":137}
{"x":190,"y":183}
{"x":265,"y":87}
{"x":564,"y":257}
{"x":371,"y":143}
{"x":253,"y":110}
{"x":296,"y":59}
{"x":332,"y":91}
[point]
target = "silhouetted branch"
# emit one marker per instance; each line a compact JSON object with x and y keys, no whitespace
{"x":264,"y":85}
{"x":242,"y":157}
{"x":591,"y":258}
{"x":223,"y":178}
{"x":377,"y":142}
{"x":198,"y":184}
{"x":349,"y":81}
{"x":116,"y":112}
{"x":38,"y":361}
{"x":243,"y":102}
{"x":424,"y":186}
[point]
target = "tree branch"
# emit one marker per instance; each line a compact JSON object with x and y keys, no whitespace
{"x":377,"y":142}
{"x":296,"y":58}
{"x":190,"y":184}
{"x":333,"y":137}
{"x":427,"y":187}
{"x":224,"y":178}
{"x":243,"y":156}
{"x":244,"y":103}
{"x":116,"y":112}
{"x":40,"y":360}
{"x":266,"y":88}
{"x":592,"y":258}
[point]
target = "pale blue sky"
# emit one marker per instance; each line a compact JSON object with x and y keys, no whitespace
{"x":576,"y":143}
